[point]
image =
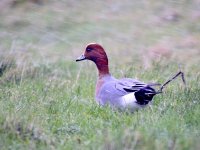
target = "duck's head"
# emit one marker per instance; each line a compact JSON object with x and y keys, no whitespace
{"x":96,"y":53}
{"x":93,"y":52}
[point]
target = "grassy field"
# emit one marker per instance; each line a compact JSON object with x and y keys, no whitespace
{"x":47,"y":99}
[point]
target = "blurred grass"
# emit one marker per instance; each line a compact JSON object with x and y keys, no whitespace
{"x":47,"y":100}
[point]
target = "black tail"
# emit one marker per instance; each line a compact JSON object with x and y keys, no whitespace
{"x":168,"y":81}
{"x":146,"y":94}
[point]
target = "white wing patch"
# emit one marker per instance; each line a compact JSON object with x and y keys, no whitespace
{"x":129,"y":101}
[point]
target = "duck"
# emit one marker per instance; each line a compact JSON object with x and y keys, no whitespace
{"x":124,"y":93}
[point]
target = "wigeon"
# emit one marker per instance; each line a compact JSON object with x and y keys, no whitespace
{"x":125,"y":93}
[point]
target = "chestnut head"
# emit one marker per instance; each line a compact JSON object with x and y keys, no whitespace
{"x":93,"y":52}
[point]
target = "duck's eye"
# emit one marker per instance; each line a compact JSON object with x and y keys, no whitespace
{"x":88,"y":49}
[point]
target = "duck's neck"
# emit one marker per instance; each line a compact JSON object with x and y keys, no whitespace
{"x":103,"y":70}
{"x":102,"y":66}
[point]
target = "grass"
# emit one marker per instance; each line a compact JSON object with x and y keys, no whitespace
{"x":47,"y":99}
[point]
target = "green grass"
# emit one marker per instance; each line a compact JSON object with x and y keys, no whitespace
{"x":47,"y":99}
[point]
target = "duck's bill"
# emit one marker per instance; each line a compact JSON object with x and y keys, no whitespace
{"x":82,"y":57}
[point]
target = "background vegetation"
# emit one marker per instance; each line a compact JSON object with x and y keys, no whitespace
{"x":47,"y":99}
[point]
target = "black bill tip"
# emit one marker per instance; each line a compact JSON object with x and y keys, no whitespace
{"x":82,"y":57}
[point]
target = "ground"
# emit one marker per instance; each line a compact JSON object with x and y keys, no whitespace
{"x":47,"y":99}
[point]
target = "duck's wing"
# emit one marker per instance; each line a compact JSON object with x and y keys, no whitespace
{"x":116,"y":89}
{"x":128,"y":85}
{"x":143,"y":92}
